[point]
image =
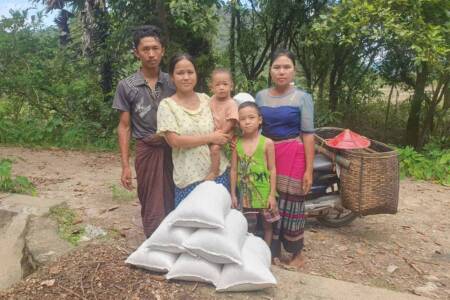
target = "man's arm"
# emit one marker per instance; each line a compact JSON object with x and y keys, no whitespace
{"x":124,"y":133}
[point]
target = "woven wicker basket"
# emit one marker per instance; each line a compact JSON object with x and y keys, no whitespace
{"x":371,"y":184}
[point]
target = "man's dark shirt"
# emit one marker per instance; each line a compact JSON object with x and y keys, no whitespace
{"x":133,"y":95}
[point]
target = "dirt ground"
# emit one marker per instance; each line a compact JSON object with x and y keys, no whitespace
{"x":401,"y":252}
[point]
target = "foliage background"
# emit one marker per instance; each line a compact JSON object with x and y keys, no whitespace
{"x":378,"y":67}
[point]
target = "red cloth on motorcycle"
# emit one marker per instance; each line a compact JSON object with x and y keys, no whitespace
{"x":348,"y":140}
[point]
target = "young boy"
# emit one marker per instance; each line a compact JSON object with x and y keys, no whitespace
{"x":224,"y":111}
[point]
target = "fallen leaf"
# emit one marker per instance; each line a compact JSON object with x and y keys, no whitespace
{"x":361,"y":251}
{"x":342,"y":248}
{"x":157,"y":277}
{"x":113,"y":208}
{"x":392,"y":268}
{"x":427,"y":289}
{"x":54,"y":270}
{"x":430,"y":278}
{"x":48,"y":283}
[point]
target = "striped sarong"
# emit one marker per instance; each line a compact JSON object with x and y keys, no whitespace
{"x":290,"y":165}
{"x":155,"y":185}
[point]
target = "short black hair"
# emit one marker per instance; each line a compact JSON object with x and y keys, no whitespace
{"x":250,"y":104}
{"x":222,"y":70}
{"x":282,"y":52}
{"x":147,"y":31}
{"x":178,"y":57}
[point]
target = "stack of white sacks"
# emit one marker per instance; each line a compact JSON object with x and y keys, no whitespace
{"x":205,"y":240}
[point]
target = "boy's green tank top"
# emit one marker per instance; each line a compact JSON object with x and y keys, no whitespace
{"x":253,"y":176}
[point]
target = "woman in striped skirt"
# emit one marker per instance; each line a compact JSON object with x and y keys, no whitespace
{"x":288,"y":119}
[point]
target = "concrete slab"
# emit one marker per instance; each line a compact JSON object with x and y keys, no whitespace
{"x":299,"y":286}
{"x":23,"y":247}
{"x":5,"y":218}
{"x":11,"y":248}
{"x":28,"y":204}
{"x":43,"y":242}
{"x":316,"y":287}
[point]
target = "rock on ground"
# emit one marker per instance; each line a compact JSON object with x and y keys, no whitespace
{"x":27,"y":238}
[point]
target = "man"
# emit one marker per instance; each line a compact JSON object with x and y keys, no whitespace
{"x":137,"y":98}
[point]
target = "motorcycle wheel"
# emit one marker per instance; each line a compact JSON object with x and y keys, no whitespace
{"x":337,"y":218}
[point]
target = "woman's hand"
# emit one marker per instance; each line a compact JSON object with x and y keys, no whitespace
{"x":307,"y":181}
{"x":233,"y":143}
{"x":273,"y":207}
{"x":234,"y":202}
{"x":219,"y":138}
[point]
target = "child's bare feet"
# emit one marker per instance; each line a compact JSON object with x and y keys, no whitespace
{"x":298,"y":261}
{"x":285,"y":258}
{"x":276,"y":261}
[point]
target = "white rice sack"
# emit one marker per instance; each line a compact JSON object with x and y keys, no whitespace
{"x":259,"y":248}
{"x":191,"y":268}
{"x":168,"y":238}
{"x":205,"y":207}
{"x":222,"y":246}
{"x":156,"y":261}
{"x":254,"y":274}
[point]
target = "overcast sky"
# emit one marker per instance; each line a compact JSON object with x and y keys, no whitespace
{"x":6,"y":5}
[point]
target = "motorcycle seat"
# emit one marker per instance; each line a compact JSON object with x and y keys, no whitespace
{"x":322,"y":163}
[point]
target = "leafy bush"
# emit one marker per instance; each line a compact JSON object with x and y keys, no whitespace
{"x":55,"y":131}
{"x":432,"y":164}
{"x":18,"y":184}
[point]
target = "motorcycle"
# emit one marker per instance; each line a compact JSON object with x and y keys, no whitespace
{"x":324,"y":202}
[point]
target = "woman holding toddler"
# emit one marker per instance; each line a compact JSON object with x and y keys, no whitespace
{"x":186,"y":121}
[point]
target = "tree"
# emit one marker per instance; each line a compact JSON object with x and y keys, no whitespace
{"x":260,"y":28}
{"x":418,"y":31}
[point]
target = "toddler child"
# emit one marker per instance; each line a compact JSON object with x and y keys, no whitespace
{"x":253,"y":171}
{"x":224,"y":111}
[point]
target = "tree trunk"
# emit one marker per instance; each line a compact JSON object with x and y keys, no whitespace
{"x":387,"y":111}
{"x":428,"y":123}
{"x":413,"y":125}
{"x":62,"y":21}
{"x":321,"y":88}
{"x":337,"y":72}
{"x":233,"y":38}
{"x":333,"y":93}
{"x":161,"y":13}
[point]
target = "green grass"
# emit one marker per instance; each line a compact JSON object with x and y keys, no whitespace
{"x":67,"y":229}
{"x":17,"y":184}
{"x":112,"y":233}
{"x":383,"y":283}
{"x":120,"y":194}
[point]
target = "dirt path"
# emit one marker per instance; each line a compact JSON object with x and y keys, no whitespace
{"x":400,"y":252}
